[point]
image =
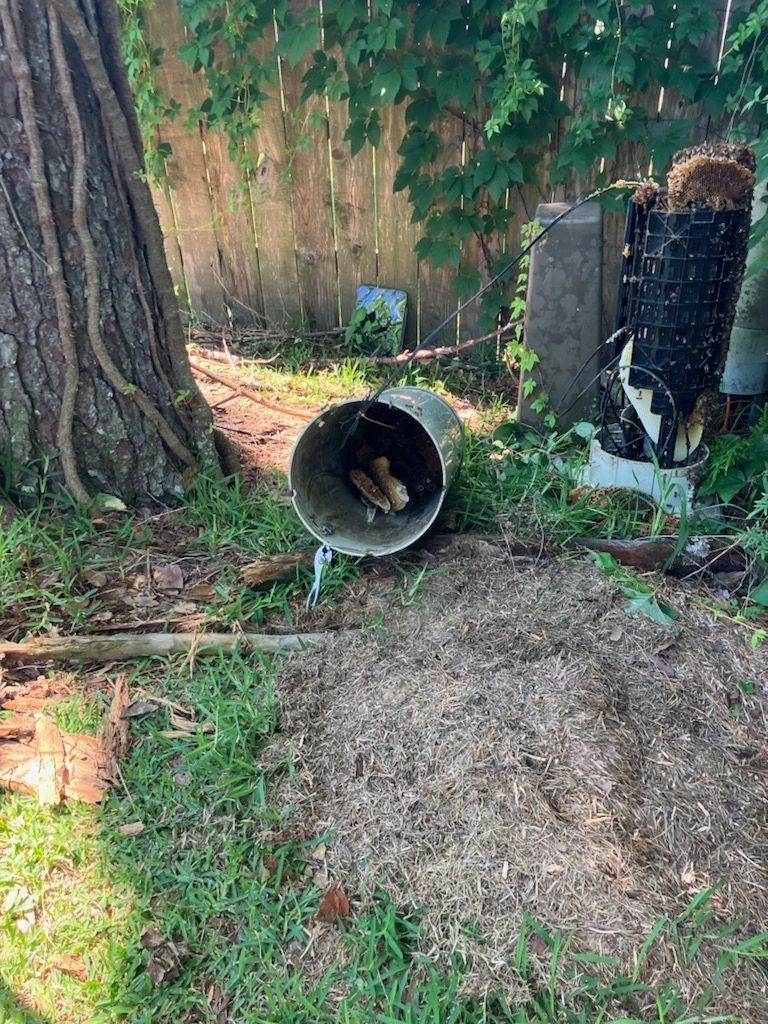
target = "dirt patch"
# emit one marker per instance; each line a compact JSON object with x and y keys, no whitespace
{"x":515,"y":743}
{"x":265,"y":436}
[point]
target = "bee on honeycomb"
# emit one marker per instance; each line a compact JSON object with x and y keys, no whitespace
{"x":645,"y":193}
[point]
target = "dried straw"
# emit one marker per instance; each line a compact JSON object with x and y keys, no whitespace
{"x":519,"y":744}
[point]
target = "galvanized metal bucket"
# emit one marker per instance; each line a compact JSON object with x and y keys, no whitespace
{"x":424,"y":438}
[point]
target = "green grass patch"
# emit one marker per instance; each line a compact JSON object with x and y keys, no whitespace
{"x":216,"y":886}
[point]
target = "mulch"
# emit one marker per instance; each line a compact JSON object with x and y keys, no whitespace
{"x":514,"y":743}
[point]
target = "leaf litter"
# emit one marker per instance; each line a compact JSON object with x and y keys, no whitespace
{"x":511,"y":745}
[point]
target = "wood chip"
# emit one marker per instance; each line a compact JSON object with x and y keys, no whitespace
{"x":132,"y":828}
{"x":139,"y":707}
{"x":50,"y":762}
{"x":274,"y":567}
{"x":114,"y":732}
{"x":72,"y":965}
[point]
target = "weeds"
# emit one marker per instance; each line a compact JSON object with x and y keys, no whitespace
{"x":217,"y":866}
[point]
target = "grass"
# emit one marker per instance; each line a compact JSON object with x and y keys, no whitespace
{"x":217,"y":871}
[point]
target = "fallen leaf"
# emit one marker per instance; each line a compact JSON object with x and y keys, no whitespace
{"x":182,"y":778}
{"x":159,"y":969}
{"x":270,"y":865}
{"x":139,"y":707}
{"x":165,"y":962}
{"x":71,"y":964}
{"x":132,"y":828}
{"x":96,"y":578}
{"x":200,"y":592}
{"x":151,"y":938}
{"x":20,"y":905}
{"x":168,"y":577}
{"x":333,"y":905}
{"x":141,"y":601}
{"x":182,"y":608}
{"x":184,"y":722}
{"x":18,"y":900}
{"x":219,"y":1002}
{"x":111,"y":502}
{"x":729,"y":581}
{"x":319,"y":852}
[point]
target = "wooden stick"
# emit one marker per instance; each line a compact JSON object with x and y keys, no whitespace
{"x":50,"y":762}
{"x":127,"y":646}
{"x":250,"y":394}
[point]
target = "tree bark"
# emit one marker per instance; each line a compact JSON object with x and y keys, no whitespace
{"x":96,"y":392}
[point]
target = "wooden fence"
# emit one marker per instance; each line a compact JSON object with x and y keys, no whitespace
{"x":316,"y":222}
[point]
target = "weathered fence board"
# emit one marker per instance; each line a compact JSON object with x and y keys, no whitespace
{"x":194,"y":211}
{"x":306,"y":130}
{"x":355,"y":211}
{"x":234,"y":230}
{"x":272,"y":203}
{"x":290,"y":245}
{"x":437,"y":285}
{"x":397,"y":264}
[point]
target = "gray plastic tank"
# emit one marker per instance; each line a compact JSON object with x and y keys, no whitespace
{"x":424,"y":439}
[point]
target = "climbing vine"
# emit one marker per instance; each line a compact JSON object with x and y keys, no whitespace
{"x":496,"y":67}
{"x":152,"y":106}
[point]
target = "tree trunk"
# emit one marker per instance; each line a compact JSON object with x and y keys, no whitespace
{"x":95,"y":386}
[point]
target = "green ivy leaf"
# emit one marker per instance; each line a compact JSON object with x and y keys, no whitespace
{"x":646,"y":604}
{"x":386,"y":86}
{"x":295,"y":42}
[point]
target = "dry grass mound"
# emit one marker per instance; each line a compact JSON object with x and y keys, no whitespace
{"x":516,"y":743}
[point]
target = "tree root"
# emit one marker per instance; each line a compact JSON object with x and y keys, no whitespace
{"x":39,"y":182}
{"x":144,"y":211}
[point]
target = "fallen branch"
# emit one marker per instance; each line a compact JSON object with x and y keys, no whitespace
{"x":439,"y":352}
{"x":654,"y":554}
{"x":251,"y":395}
{"x":127,"y":646}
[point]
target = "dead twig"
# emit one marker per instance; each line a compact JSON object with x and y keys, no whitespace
{"x":251,"y":395}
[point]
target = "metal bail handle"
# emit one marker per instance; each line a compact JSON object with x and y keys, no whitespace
{"x":322,"y":555}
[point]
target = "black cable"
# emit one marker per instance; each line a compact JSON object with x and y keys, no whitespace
{"x":559,"y":411}
{"x":367,"y":402}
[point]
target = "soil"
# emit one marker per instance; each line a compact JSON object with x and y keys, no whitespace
{"x":265,"y":437}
